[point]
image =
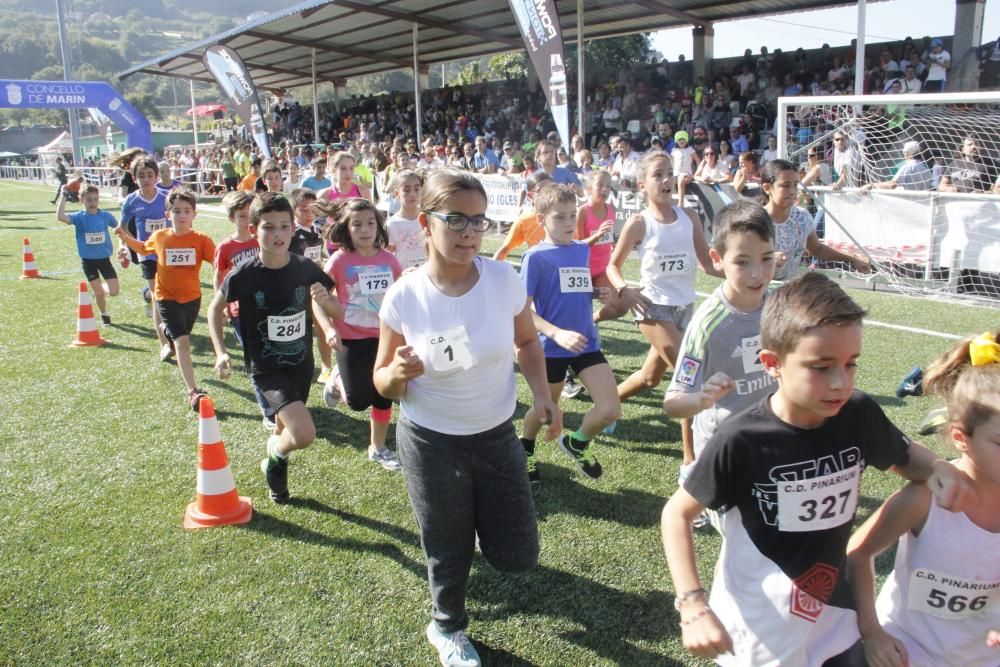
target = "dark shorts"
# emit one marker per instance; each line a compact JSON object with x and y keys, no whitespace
{"x":148,"y":267}
{"x":555,"y":367}
{"x":95,"y":268}
{"x":178,"y":318}
{"x":281,"y":388}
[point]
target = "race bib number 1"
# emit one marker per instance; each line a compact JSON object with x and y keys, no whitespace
{"x":286,"y":328}
{"x":818,"y":503}
{"x":375,"y":282}
{"x":675,"y":263}
{"x":938,"y":594}
{"x":450,"y":350}
{"x":574,"y":279}
{"x":94,"y":238}
{"x":180,"y":256}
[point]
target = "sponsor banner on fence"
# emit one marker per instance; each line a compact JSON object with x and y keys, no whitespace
{"x":930,"y":230}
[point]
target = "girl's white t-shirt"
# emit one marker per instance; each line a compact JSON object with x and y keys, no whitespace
{"x":466,"y":344}
{"x":409,"y":241}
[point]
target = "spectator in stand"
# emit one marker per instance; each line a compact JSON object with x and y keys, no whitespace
{"x":816,"y":170}
{"x":721,"y":114}
{"x":505,"y":159}
{"x":938,"y":64}
{"x":604,"y":157}
{"x":910,"y":82}
{"x":665,"y":133}
{"x":747,"y":177}
{"x":913,"y":175}
{"x":726,"y":157}
{"x":623,"y":169}
{"x":612,"y":117}
{"x":792,"y":87}
{"x":430,"y":160}
{"x":545,"y":159}
{"x":747,"y":83}
{"x":684,"y":162}
{"x":318,"y":181}
{"x":710,"y":170}
{"x":484,"y":160}
{"x":968,"y":172}
{"x":467,"y":161}
{"x":846,"y":163}
{"x":739,"y":143}
{"x":771,"y":152}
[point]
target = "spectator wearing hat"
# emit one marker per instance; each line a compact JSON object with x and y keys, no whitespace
{"x":938,"y":64}
{"x":505,"y":158}
{"x":913,"y":175}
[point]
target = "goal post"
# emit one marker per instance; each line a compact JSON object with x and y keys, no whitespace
{"x":895,"y":152}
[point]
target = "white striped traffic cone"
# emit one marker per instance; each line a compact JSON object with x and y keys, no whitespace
{"x":86,"y":326}
{"x":217,"y":503}
{"x":30,"y":269}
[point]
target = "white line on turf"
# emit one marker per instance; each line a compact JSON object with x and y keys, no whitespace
{"x":898,"y":327}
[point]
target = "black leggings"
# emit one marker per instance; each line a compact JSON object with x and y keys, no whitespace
{"x":356,"y":362}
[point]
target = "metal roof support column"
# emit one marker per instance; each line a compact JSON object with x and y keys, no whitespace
{"x":194,"y":115}
{"x":580,"y":72}
{"x":315,"y":101}
{"x":703,"y":37}
{"x":416,"y":86}
{"x":859,"y":52}
{"x":968,"y":28}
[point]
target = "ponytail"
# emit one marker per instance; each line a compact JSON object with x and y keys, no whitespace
{"x":970,"y":391}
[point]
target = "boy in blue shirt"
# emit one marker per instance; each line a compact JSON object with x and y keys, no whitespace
{"x":556,"y":274}
{"x":93,"y":243}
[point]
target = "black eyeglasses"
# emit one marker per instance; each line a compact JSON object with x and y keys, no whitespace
{"x":457,"y":222}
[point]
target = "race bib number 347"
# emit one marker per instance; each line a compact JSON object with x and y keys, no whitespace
{"x":818,"y":503}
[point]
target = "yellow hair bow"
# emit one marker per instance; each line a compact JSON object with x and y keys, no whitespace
{"x":984,"y":350}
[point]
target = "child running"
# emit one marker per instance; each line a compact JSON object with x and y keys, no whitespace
{"x":595,"y":224}
{"x":670,"y":242}
{"x":145,"y":211}
{"x":93,"y":244}
{"x":308,"y":242}
{"x":719,"y":372}
{"x":344,"y":186}
{"x":279,"y":294}
{"x":526,"y":230}
{"x":794,"y":235}
{"x":238,"y":249}
{"x":362,"y":270}
{"x":406,"y":240}
{"x":786,"y":473}
{"x":179,"y":252}
{"x":941,"y":600}
{"x":556,"y":275}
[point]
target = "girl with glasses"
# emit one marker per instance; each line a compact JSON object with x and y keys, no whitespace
{"x":450,"y":333}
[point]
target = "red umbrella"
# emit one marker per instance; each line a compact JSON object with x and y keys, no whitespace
{"x":206,"y":109}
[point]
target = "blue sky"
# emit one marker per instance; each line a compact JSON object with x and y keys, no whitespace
{"x":891,"y":20}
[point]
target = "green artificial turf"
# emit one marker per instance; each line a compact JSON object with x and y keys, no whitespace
{"x":99,"y":458}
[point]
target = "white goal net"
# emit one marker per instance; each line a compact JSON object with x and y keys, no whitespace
{"x":907,"y":180}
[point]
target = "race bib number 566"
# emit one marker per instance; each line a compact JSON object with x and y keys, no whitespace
{"x":944,"y":596}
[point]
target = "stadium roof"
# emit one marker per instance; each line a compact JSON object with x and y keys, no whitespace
{"x":355,"y":37}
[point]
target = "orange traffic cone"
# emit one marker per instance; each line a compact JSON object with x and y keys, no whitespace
{"x":30,"y":269}
{"x":86,"y":327}
{"x":217,"y":503}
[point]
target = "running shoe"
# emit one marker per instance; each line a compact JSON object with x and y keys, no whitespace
{"x":571,"y":388}
{"x":534,"y":476}
{"x":454,"y":648}
{"x":276,"y":473}
{"x":385,"y":458}
{"x":584,"y":458}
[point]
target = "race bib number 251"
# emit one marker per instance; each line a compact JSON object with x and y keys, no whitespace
{"x":180,"y":256}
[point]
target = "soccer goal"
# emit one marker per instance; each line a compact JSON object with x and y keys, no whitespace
{"x":895,"y":152}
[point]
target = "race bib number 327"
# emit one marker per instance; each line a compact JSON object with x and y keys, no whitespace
{"x":818,"y":503}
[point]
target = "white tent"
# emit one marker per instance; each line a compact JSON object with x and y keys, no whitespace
{"x":61,"y":144}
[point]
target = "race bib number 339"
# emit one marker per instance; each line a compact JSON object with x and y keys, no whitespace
{"x":574,"y":279}
{"x":818,"y":503}
{"x":180,"y":256}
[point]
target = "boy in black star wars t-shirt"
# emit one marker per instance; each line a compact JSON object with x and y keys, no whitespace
{"x":786,"y":475}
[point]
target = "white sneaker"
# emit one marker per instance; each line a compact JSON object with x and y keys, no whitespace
{"x":331,"y":390}
{"x":385,"y":458}
{"x":455,"y":649}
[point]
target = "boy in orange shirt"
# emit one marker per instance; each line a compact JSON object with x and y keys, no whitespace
{"x":179,"y":250}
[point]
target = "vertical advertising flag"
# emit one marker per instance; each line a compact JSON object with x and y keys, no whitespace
{"x":228,"y":69}
{"x":539,"y":24}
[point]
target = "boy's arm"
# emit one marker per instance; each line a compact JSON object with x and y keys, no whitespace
{"x":216,"y":310}
{"x":904,"y":511}
{"x":570,"y":340}
{"x":823,"y":252}
{"x":131,"y":241}
{"x":61,"y":209}
{"x":681,"y":404}
{"x":701,"y":631}
{"x":951,"y":487}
